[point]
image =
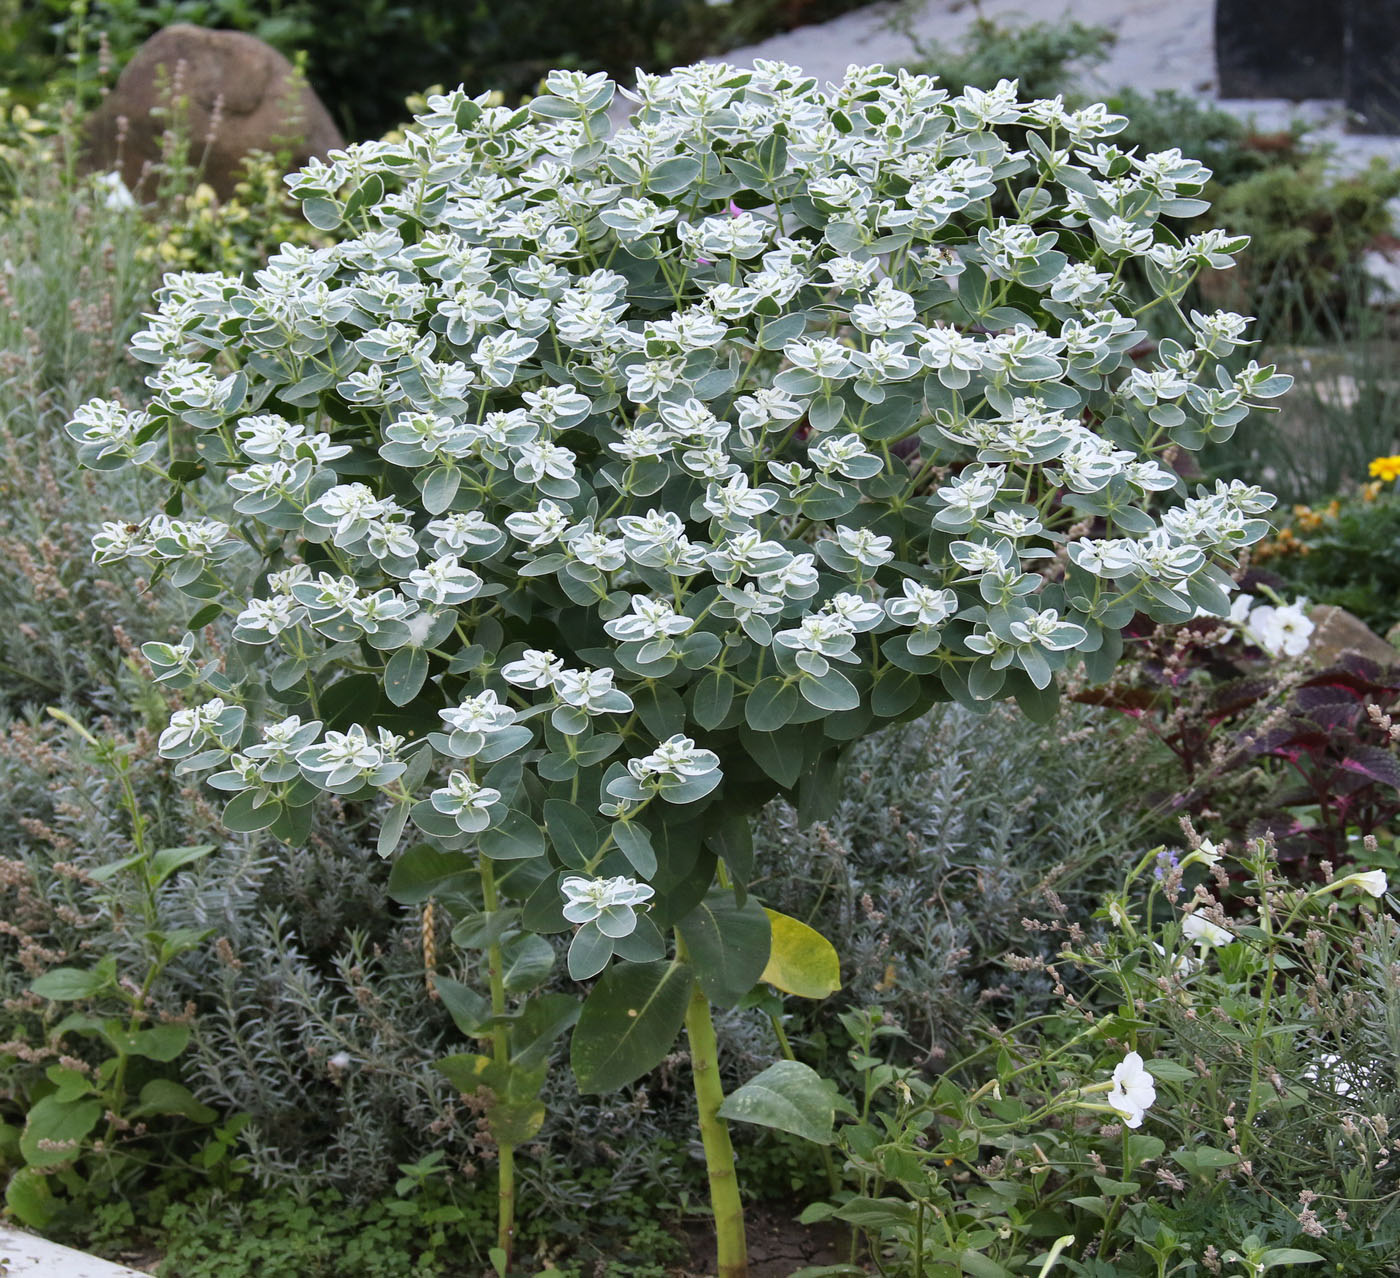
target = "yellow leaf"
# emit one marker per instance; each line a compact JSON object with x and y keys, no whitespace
{"x":802,"y":961}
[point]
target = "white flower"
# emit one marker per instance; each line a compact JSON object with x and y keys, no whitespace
{"x":1198,"y":928}
{"x":1370,"y":881}
{"x":1133,"y":1090}
{"x":610,"y":903}
{"x":1280,"y":630}
{"x":114,"y":192}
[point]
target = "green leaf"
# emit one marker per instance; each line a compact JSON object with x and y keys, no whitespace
{"x":243,"y":815}
{"x":64,"y":984}
{"x":425,"y":871}
{"x":788,"y":1096}
{"x":541,"y":1022}
{"x":405,"y":674}
{"x":517,"y":838}
{"x":159,"y":1042}
{"x":895,"y":691}
{"x":168,"y":860}
{"x":876,"y":1213}
{"x":731,"y":837}
{"x":166,"y":1096}
{"x":831,"y":691}
{"x":672,"y":176}
{"x":1274,"y":1257}
{"x":463,"y":1070}
{"x":711,"y":699}
{"x":635,"y":844}
{"x":529,"y":961}
{"x":589,"y":952}
{"x":661,"y":709}
{"x":572,"y":832}
{"x":976,"y":1265}
{"x":801,"y":960}
{"x":729,"y":945}
{"x":28,"y":1195}
{"x":779,"y":754}
{"x":629,"y":1023}
{"x":55,"y":1122}
{"x":771,"y":704}
{"x":469,"y":1011}
{"x":391,"y":829}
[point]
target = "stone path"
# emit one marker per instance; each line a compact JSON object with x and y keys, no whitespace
{"x":1161,"y":44}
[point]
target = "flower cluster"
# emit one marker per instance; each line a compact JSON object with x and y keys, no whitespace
{"x":657,"y":464}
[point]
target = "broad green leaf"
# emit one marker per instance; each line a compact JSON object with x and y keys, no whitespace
{"x":976,"y":1265}
{"x":28,"y":1195}
{"x":243,"y":815}
{"x":876,"y":1213}
{"x":635,"y":844}
{"x":801,"y":960}
{"x":165,"y":1096}
{"x":405,"y":674}
{"x":771,"y":704}
{"x":629,"y":1023}
{"x":728,"y":944}
{"x":517,"y":838}
{"x":1276,"y":1257}
{"x":831,"y":691}
{"x":779,"y":754}
{"x":54,"y":1130}
{"x":463,"y":1070}
{"x":711,"y":699}
{"x":391,"y":829}
{"x":572,"y":832}
{"x":589,"y":952}
{"x":425,"y":871}
{"x":529,"y":961}
{"x":788,"y":1096}
{"x":543,"y":1020}
{"x":469,"y":1011}
{"x":64,"y":984}
{"x":168,"y":860}
{"x":158,"y":1042}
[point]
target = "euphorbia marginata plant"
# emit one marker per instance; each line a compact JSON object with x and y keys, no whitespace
{"x":600,"y":484}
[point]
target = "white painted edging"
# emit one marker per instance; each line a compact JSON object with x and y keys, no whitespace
{"x":28,"y":1256}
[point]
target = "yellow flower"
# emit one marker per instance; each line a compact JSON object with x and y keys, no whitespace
{"x":1386,"y":469}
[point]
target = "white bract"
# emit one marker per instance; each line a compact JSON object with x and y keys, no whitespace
{"x":596,"y":483}
{"x":610,"y":903}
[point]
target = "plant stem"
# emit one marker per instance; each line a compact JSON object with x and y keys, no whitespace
{"x":719,"y":1153}
{"x":500,"y":1044}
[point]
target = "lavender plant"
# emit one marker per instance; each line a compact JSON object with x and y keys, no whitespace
{"x":602,"y":484}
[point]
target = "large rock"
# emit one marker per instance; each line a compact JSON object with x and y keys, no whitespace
{"x":241,"y":95}
{"x":1337,"y":631}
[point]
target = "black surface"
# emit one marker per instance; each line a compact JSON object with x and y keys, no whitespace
{"x":1285,"y":48}
{"x":1372,"y":84}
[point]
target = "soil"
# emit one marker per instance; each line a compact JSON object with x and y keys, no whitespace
{"x":778,"y":1245}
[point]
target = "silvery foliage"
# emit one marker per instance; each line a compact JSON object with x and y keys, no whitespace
{"x":599,"y":484}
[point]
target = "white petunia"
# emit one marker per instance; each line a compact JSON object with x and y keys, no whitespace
{"x":1133,"y":1090}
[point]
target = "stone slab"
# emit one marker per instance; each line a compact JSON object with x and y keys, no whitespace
{"x":24,"y":1255}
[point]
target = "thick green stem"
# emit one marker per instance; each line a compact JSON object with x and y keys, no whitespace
{"x":719,"y":1153}
{"x":500,"y":1045}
